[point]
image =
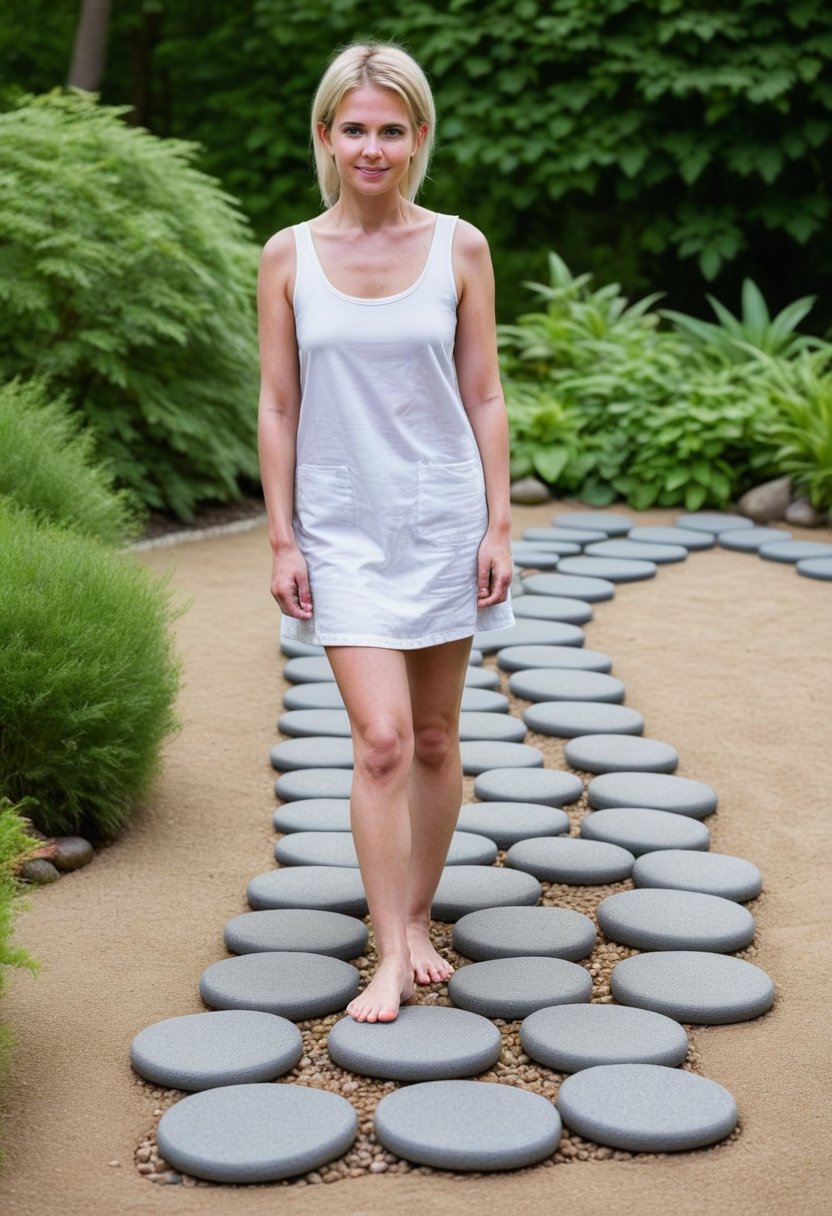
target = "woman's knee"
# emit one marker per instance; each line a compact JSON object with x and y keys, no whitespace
{"x":436,"y":745}
{"x":383,"y":751}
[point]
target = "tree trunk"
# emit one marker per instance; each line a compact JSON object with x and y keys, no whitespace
{"x":89,"y":50}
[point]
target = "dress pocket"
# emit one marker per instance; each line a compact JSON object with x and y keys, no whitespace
{"x":451,"y":509}
{"x":324,"y":496}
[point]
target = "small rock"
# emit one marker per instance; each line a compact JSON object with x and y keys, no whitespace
{"x":39,"y":871}
{"x":768,"y":501}
{"x":529,"y":491}
{"x":802,"y":514}
{"x":71,"y":852}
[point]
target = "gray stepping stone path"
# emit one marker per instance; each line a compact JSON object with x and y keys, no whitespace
{"x":541,"y":557}
{"x":592,"y":590}
{"x":297,"y":650}
{"x":330,"y":888}
{"x":475,"y":658}
{"x":694,"y":986}
{"x":291,"y":983}
{"x":338,"y":849}
{"x":620,"y":753}
{"x":314,"y":783}
{"x":323,"y":695}
{"x":303,"y":723}
{"x":611,"y":523}
{"x":547,"y":787}
{"x":658,"y":791}
{"x":481,"y":698}
{"x":316,"y":751}
{"x":553,"y":608}
{"x":582,"y":536}
{"x":713,"y":522}
{"x":711,"y":873}
{"x":424,"y":1043}
{"x":571,"y":860}
{"x":646,"y":1108}
{"x":464,"y":889}
{"x":306,"y":929}
{"x":815,"y":567}
{"x":225,"y":1047}
{"x":313,"y":815}
{"x":525,"y":658}
{"x":560,"y":684}
{"x":311,"y":669}
{"x":688,"y":537}
{"x":479,"y":757}
{"x":502,"y":728}
{"x":484,"y":700}
{"x":568,"y":719}
{"x":524,"y":932}
{"x":482,"y":677}
{"x":507,"y":822}
{"x":794,"y":550}
{"x":614,"y":569}
{"x":513,"y":988}
{"x":641,"y":550}
{"x":569,"y":1038}
{"x":655,"y":919}
{"x":531,"y":633}
{"x":256,"y":1133}
{"x":465,"y":1125}
{"x":645,"y":831}
{"x":750,"y":540}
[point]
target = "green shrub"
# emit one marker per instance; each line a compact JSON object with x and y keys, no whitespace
{"x":127,"y":277}
{"x":87,"y":677}
{"x":801,"y":428}
{"x":15,"y":847}
{"x":48,"y":466}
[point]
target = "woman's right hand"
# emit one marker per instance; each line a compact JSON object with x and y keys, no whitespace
{"x":290,"y":583}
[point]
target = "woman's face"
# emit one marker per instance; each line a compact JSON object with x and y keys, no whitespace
{"x":372,"y":139}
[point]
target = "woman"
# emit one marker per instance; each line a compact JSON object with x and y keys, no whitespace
{"x":384,"y":455}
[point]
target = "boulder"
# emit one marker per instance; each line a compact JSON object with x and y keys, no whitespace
{"x":802,"y":514}
{"x":39,"y":870}
{"x":528,"y":491}
{"x":71,"y":852}
{"x":768,"y":501}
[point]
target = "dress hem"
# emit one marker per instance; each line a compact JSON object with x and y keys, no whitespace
{"x":304,"y":631}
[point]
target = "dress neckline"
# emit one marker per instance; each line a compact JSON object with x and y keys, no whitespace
{"x":400,"y":295}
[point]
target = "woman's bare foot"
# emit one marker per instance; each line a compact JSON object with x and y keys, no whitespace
{"x":390,"y":986}
{"x":429,"y":967}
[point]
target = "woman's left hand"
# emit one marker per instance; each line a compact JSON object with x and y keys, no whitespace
{"x":495,"y":570}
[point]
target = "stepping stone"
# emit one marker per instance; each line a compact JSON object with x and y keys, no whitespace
{"x":614,"y":569}
{"x":500,"y":728}
{"x":815,"y":567}
{"x":314,"y":783}
{"x":291,"y":983}
{"x":794,"y":550}
{"x":298,"y":650}
{"x":338,"y":849}
{"x":568,"y":1038}
{"x":694,"y":986}
{"x":592,"y":590}
{"x":475,"y":658}
{"x":581,"y":536}
{"x":303,"y":723}
{"x":226,"y":1047}
{"x":646,"y":1108}
{"x":652,"y":919}
{"x":324,"y":695}
{"x":531,"y":633}
{"x":524,"y":658}
{"x":620,"y":753}
{"x":306,"y":929}
{"x":645,"y":831}
{"x":524,"y":932}
{"x":513,"y":988}
{"x":568,"y":719}
{"x":311,"y":669}
{"x":680,"y":795}
{"x":712,"y":873}
{"x":639,"y":549}
{"x":318,"y":751}
{"x":484,"y":700}
{"x":527,"y":557}
{"x":571,"y":860}
{"x":256,"y":1133}
{"x":482,"y":677}
{"x":688,"y":537}
{"x":329,"y":888}
{"x":479,"y":698}
{"x":465,"y":1125}
{"x":479,"y":757}
{"x":611,"y":523}
{"x":313,"y":815}
{"x":713,"y":522}
{"x":424,"y":1043}
{"x":507,"y":822}
{"x":559,"y":684}
{"x":749,"y":540}
{"x":464,"y":889}
{"x":528,"y":785}
{"x":554,"y":608}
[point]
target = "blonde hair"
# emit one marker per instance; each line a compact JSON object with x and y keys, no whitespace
{"x":387,"y":67}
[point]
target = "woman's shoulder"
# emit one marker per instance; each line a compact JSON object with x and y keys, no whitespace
{"x":279,"y":246}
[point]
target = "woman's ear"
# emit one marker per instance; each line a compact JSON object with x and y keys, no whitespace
{"x":322,"y":131}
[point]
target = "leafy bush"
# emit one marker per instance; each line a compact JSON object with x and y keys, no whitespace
{"x":127,"y":277}
{"x":801,"y":430}
{"x":48,"y":466}
{"x":87,"y":677}
{"x":15,"y":846}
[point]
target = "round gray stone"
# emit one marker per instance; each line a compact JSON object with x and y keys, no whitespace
{"x":513,"y":988}
{"x":568,"y":719}
{"x":749,"y":540}
{"x":658,"y":791}
{"x":424,"y":1043}
{"x":524,"y":658}
{"x":324,"y":695}
{"x":644,"y":831}
{"x":338,"y":849}
{"x":794,"y":550}
{"x":553,"y":608}
{"x":314,"y":783}
{"x":482,"y":677}
{"x":507,"y":822}
{"x":531,"y":633}
{"x":620,"y":753}
{"x":713,"y":522}
{"x":641,"y":550}
{"x":225,"y":1047}
{"x":465,"y":1125}
{"x":646,"y":1108}
{"x":571,"y":860}
{"x":815,"y":567}
{"x":569,"y":1038}
{"x":306,"y":929}
{"x":524,"y":932}
{"x":475,"y":657}
{"x":694,"y":986}
{"x":540,"y":557}
{"x":313,"y":815}
{"x":528,"y":785}
{"x":614,"y":569}
{"x":611,"y":523}
{"x":581,"y":536}
{"x":479,"y":756}
{"x":292,"y":983}
{"x":302,"y":723}
{"x":688,"y":537}
{"x":560,"y":684}
{"x":298,"y":650}
{"x":502,"y":728}
{"x":256,"y":1133}
{"x":484,"y":700}
{"x":316,"y":751}
{"x":654,"y":919}
{"x":464,"y":889}
{"x":592,"y":590}
{"x":329,"y":888}
{"x":309,"y":669}
{"x":712,"y":873}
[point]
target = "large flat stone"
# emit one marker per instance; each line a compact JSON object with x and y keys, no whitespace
{"x":560,"y":684}
{"x":530,"y":633}
{"x":571,"y":860}
{"x":305,"y":723}
{"x":611,"y":523}
{"x":694,"y":986}
{"x":518,"y":932}
{"x":424,"y":1043}
{"x":313,"y":815}
{"x":655,"y":919}
{"x":322,"y":695}
{"x":306,"y":929}
{"x":479,"y":757}
{"x":482,"y":677}
{"x":484,"y":700}
{"x":297,"y":650}
{"x":338,"y":849}
{"x":680,"y":795}
{"x":329,"y":888}
{"x":513,"y":988}
{"x":540,"y":557}
{"x":750,"y":540}
{"x":568,"y":719}
{"x":794,"y":550}
{"x":815,"y":567}
{"x":500,"y":728}
{"x":644,"y":831}
{"x":613,"y":569}
{"x":620,"y":753}
{"x":713,"y":522}
{"x":291,"y":983}
{"x":525,"y":658}
{"x":582,"y":536}
{"x":641,"y":550}
{"x":712,"y":873}
{"x":592,"y":590}
{"x":553,"y":608}
{"x":568,"y":1038}
{"x":507,"y":822}
{"x":314,"y":783}
{"x":479,"y":694}
{"x":464,"y":889}
{"x":688,"y":537}
{"x":545,"y":786}
{"x":309,"y":669}
{"x":316,"y":752}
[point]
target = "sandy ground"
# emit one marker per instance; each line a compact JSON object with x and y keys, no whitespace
{"x":727,"y":656}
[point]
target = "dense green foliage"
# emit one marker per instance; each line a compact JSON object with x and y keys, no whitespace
{"x":802,"y":427}
{"x":127,"y":277}
{"x":87,"y":677}
{"x":15,"y":846}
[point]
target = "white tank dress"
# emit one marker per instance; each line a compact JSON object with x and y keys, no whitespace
{"x":390,"y":501}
